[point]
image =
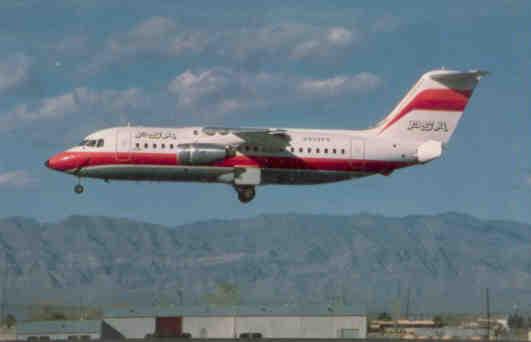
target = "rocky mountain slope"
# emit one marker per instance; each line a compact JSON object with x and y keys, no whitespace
{"x":360,"y":261}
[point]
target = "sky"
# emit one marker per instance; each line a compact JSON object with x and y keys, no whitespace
{"x":68,"y":68}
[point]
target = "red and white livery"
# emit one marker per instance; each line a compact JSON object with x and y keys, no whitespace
{"x":415,"y":132}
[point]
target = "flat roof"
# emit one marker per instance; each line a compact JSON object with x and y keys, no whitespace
{"x":227,"y":311}
{"x":58,"y":327}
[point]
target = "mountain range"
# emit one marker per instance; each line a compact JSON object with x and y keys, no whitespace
{"x":363,"y":262}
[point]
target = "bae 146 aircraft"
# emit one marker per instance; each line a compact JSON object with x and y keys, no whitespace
{"x":415,"y":132}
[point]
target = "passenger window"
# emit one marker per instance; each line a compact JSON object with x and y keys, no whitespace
{"x":309,"y":150}
{"x":317,"y":150}
{"x":154,"y":145}
{"x":145,"y":145}
{"x":195,"y":132}
{"x":342,"y":151}
{"x":163,"y":146}
{"x":171,"y":146}
{"x":100,"y":143}
{"x":325,"y":150}
{"x":256,"y":148}
{"x":137,"y":145}
{"x":91,"y":143}
{"x":300,"y":149}
{"x":334,"y":151}
{"x":292,"y":149}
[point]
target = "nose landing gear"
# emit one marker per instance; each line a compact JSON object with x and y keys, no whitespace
{"x":78,"y":189}
{"x":246,"y":193}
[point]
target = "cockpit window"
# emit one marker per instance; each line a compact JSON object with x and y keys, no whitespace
{"x":93,"y":143}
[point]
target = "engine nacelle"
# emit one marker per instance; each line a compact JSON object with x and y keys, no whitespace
{"x":202,"y":154}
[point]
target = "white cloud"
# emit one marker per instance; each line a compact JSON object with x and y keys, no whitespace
{"x":15,"y":179}
{"x":219,"y":91}
{"x":339,"y":36}
{"x":14,"y":72}
{"x":205,"y":94}
{"x":216,"y":91}
{"x":156,"y":36}
{"x":327,"y":43}
{"x":79,"y":100}
{"x":340,"y":85}
{"x":159,"y":36}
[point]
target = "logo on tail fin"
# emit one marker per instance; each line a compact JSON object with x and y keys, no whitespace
{"x":433,"y":106}
{"x":434,"y":100}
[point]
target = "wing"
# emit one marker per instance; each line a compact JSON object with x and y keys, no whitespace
{"x":271,"y":137}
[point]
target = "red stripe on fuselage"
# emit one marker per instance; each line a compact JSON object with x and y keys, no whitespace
{"x":92,"y":159}
{"x":434,"y":99}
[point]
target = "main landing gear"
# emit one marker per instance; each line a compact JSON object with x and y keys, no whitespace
{"x":246,"y":193}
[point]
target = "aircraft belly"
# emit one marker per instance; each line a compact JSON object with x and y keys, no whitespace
{"x":303,"y":177}
{"x":160,"y":173}
{"x":213,"y":174}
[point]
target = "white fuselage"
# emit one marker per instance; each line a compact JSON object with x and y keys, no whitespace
{"x":415,"y":132}
{"x":309,"y":157}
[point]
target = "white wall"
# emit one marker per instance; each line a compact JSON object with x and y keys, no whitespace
{"x":274,"y":326}
{"x":213,"y":327}
{"x":133,"y":327}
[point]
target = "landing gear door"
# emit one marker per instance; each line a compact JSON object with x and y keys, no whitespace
{"x":357,"y":154}
{"x":123,"y":144}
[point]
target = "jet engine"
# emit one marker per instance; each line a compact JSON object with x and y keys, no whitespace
{"x":202,"y":154}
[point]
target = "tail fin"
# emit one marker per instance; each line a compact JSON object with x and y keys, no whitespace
{"x":432,"y":108}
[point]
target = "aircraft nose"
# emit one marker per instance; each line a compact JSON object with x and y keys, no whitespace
{"x":64,"y":162}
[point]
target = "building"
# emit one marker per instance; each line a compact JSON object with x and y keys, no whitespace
{"x":382,"y":325}
{"x":446,"y":333}
{"x":217,"y":325}
{"x":58,"y":330}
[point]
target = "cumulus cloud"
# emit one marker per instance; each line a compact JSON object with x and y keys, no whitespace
{"x":340,"y":85}
{"x":203,"y":94}
{"x":14,"y":72}
{"x":326,"y":43}
{"x":74,"y":102}
{"x":15,"y":179}
{"x":160,"y":36}
{"x":218,"y":91}
{"x":156,"y":36}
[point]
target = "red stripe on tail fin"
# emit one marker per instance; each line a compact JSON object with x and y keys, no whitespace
{"x":434,"y":99}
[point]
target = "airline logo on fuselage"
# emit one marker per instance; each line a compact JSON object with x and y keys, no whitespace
{"x":156,"y":135}
{"x":428,"y":126}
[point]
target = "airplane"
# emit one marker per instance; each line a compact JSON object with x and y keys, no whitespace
{"x":415,"y":132}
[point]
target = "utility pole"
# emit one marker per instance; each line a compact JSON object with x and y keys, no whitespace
{"x":407,"y":302}
{"x":487,"y":298}
{"x":180,"y":294}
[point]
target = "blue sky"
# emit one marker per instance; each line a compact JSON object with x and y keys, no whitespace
{"x":71,"y":67}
